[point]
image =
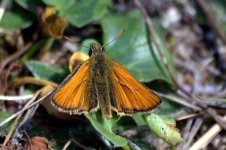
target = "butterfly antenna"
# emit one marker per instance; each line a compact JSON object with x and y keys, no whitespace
{"x":69,"y":39}
{"x":117,"y":36}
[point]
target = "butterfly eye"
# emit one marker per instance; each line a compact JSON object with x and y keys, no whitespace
{"x":90,"y":52}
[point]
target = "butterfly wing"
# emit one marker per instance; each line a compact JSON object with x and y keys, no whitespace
{"x":72,"y":95}
{"x":128,"y":94}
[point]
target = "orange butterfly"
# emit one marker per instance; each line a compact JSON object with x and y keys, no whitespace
{"x":102,"y":83}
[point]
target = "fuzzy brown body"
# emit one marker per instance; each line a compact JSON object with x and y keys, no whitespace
{"x":100,"y":81}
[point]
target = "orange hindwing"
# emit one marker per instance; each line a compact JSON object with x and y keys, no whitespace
{"x":128,"y":94}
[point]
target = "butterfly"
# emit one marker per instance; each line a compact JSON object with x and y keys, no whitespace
{"x":102,"y":83}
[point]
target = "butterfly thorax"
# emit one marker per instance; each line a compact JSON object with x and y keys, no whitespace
{"x":100,"y":64}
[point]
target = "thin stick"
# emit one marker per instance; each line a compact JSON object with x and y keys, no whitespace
{"x":14,"y":56}
{"x":133,"y":146}
{"x":18,"y":118}
{"x":207,"y":137}
{"x":76,"y":143}
{"x":185,"y":133}
{"x":32,"y":80}
{"x":179,"y":101}
{"x":190,"y":97}
{"x":193,"y":132}
{"x":24,"y":109}
{"x":189,"y":116}
{"x":66,"y":145}
{"x":15,"y":98}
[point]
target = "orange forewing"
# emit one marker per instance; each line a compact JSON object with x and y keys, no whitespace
{"x":129,"y":95}
{"x":71,"y":96}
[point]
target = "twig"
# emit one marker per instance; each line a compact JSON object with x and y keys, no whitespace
{"x":76,"y":143}
{"x":207,"y":137}
{"x":24,"y":109}
{"x":32,"y":80}
{"x":190,"y":97}
{"x":189,"y":116}
{"x":14,"y":56}
{"x":66,"y":145}
{"x":5,"y":76}
{"x":207,"y":9}
{"x":187,"y":128}
{"x":133,"y":146}
{"x":18,"y":118}
{"x":188,"y":139}
{"x":179,"y":101}
{"x":30,"y":112}
{"x":15,"y":98}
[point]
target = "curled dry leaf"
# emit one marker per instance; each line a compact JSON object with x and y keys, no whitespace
{"x":35,"y":143}
{"x":53,"y":24}
{"x":38,"y":142}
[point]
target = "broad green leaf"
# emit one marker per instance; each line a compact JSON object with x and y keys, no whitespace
{"x":44,"y":71}
{"x":84,"y":12}
{"x":165,"y":129}
{"x":16,"y":20}
{"x":80,"y":13}
{"x":100,"y":9}
{"x":104,"y":126}
{"x":30,"y":5}
{"x":132,"y":49}
{"x":60,"y":5}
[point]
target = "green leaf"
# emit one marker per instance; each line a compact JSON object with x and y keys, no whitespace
{"x":29,"y":5}
{"x":3,"y":116}
{"x":132,"y":49}
{"x":45,"y":71}
{"x":80,"y":13}
{"x":103,"y":126}
{"x":139,"y":119}
{"x":16,"y":20}
{"x":60,"y":5}
{"x":219,"y":9}
{"x":163,"y":128}
{"x":100,"y":9}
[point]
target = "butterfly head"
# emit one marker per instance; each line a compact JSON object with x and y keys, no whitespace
{"x":95,"y":48}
